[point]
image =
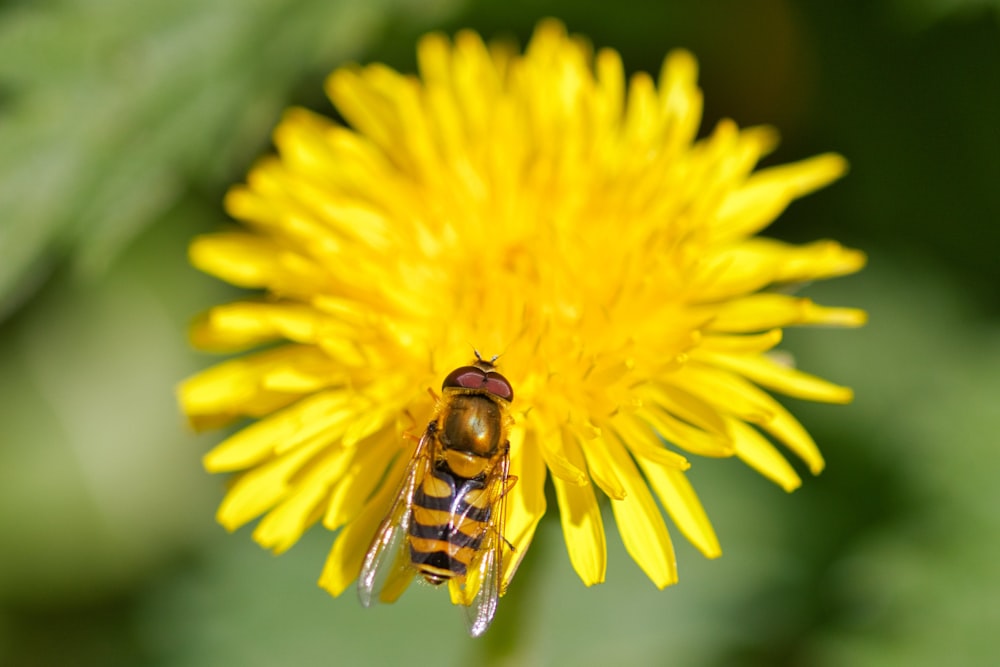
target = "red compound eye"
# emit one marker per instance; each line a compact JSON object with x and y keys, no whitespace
{"x":466,"y":377}
{"x":470,"y":377}
{"x":498,"y":385}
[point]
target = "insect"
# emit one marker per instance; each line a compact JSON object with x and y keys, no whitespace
{"x":447,"y":522}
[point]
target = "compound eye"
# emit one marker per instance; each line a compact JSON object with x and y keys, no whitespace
{"x":466,"y":377}
{"x":498,"y":385}
{"x":471,"y":377}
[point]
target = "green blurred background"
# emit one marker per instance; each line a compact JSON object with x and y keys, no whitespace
{"x":122,"y":124}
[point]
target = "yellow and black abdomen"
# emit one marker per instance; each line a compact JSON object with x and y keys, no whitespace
{"x":450,"y":518}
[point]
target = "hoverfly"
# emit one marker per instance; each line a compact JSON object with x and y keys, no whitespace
{"x":447,"y":521}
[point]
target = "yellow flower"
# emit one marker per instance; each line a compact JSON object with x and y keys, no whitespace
{"x":541,"y":208}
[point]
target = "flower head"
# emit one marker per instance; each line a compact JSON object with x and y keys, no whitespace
{"x":541,"y":208}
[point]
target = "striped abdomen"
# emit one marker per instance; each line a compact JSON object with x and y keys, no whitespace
{"x":450,"y":518}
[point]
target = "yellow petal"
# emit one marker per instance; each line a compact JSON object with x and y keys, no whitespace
{"x":583,"y":529}
{"x":812,"y":261}
{"x":333,"y":229}
{"x":642,"y":120}
{"x":680,"y":99}
{"x":676,"y":432}
{"x":741,"y":343}
{"x":768,"y":192}
{"x":788,"y":430}
{"x":728,"y":392}
{"x":358,"y":482}
{"x":768,"y":373}
{"x":305,"y":503}
{"x":760,"y":312}
{"x":258,"y":490}
{"x":240,"y":387}
{"x":319,"y":416}
{"x":610,"y":85}
{"x":247,"y":323}
{"x":476,"y":84}
{"x":434,"y":59}
{"x":754,"y":264}
{"x":556,"y":457}
{"x":345,"y":165}
{"x":681,"y":502}
{"x":737,"y":396}
{"x":252,"y":261}
{"x":677,"y":401}
{"x":643,"y":434}
{"x":758,"y":453}
{"x":344,"y":562}
{"x":783,"y":426}
{"x":526,"y":501}
{"x":367,"y":111}
{"x":640,"y":523}
{"x":598,"y":464}
{"x":284,"y":525}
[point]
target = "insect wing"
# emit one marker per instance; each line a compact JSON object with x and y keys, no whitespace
{"x":479,"y":614}
{"x":385,"y":573}
{"x":484,"y":577}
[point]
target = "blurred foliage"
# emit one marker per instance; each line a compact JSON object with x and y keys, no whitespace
{"x":112,"y":109}
{"x":921,"y":13}
{"x":122,"y":123}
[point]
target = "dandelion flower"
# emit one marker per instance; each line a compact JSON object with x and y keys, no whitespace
{"x":536,"y":206}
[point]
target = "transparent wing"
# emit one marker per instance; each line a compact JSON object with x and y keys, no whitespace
{"x":483,"y":583}
{"x":385,"y":573}
{"x":479,"y":614}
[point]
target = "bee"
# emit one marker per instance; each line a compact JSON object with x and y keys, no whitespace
{"x":447,"y":522}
